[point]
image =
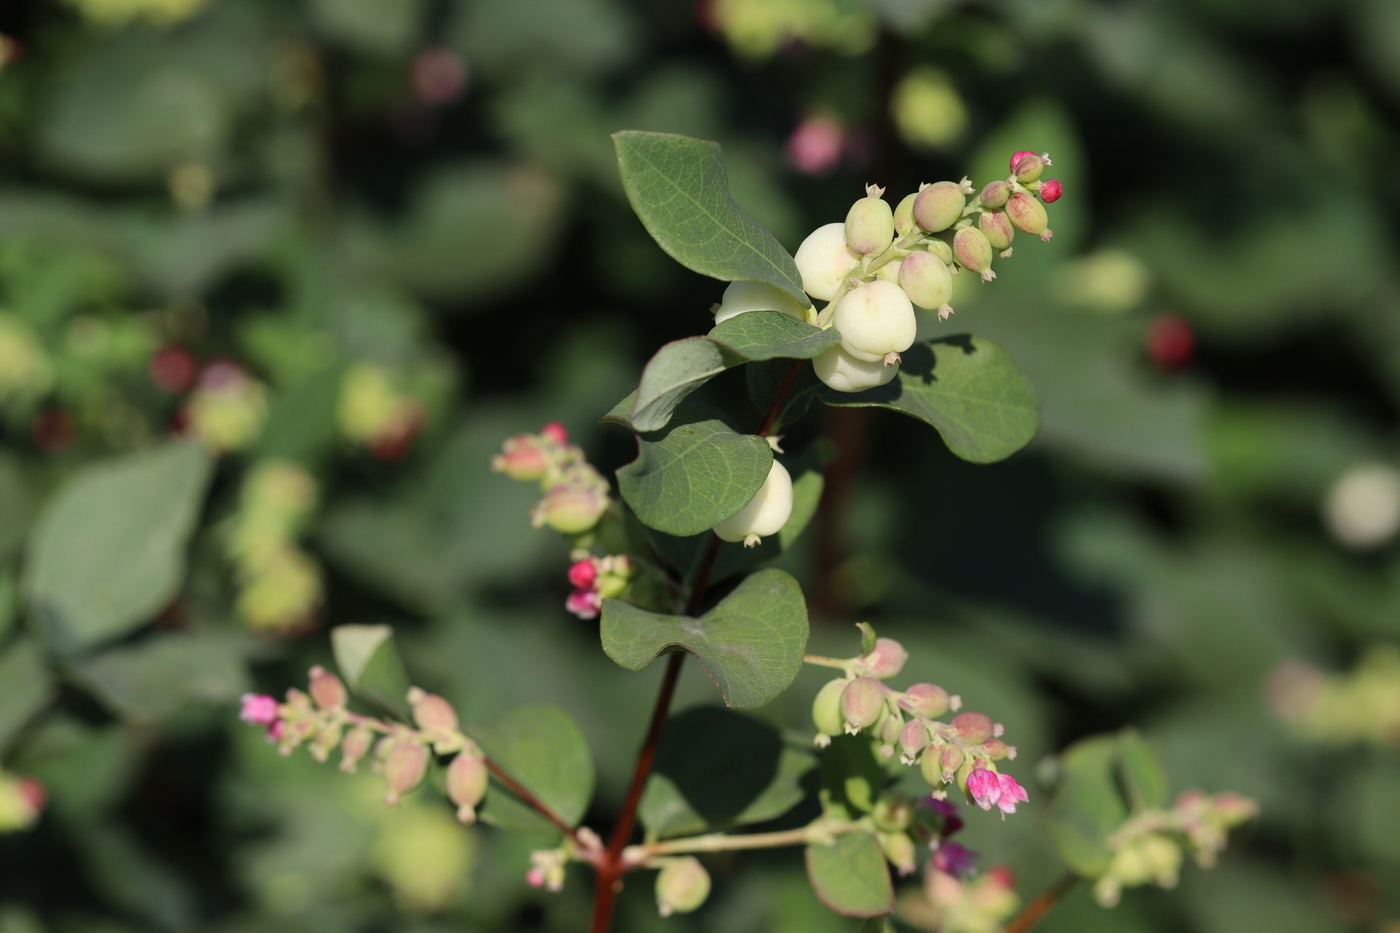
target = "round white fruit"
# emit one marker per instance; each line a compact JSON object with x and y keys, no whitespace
{"x":845,"y":373}
{"x":766,"y":514}
{"x":874,"y":320}
{"x":740,"y":297}
{"x":824,"y":259}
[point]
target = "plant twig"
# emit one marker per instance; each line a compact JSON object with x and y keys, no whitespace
{"x":724,"y":842}
{"x":1036,"y":910}
{"x":821,"y":661}
{"x":783,"y":389}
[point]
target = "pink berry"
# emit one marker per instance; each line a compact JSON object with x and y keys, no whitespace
{"x":1050,"y":191}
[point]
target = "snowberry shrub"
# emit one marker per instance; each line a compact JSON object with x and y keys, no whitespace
{"x":726,"y":502}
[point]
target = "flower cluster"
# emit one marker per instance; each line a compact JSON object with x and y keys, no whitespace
{"x":319,"y":719}
{"x":575,"y":494}
{"x":375,"y":412}
{"x":595,"y":579}
{"x":882,"y":262}
{"x":962,"y":752}
{"x":1151,"y":846}
{"x":1362,"y":706}
{"x":279,"y":583}
{"x":22,"y":800}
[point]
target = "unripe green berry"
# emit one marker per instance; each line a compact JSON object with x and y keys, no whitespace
{"x":845,"y":373}
{"x":570,"y":510}
{"x":870,"y":223}
{"x":994,"y":195}
{"x":740,"y":297}
{"x":912,"y":738}
{"x":681,"y":886}
{"x":354,"y":747}
{"x":952,"y":758}
{"x":826,"y":708}
{"x":996,"y":226}
{"x":886,"y":659}
{"x":892,"y":813}
{"x":766,"y":513}
{"x":403,"y":769}
{"x":939,"y":206}
{"x":862,"y":704}
{"x":974,"y":252}
{"x":467,"y":778}
{"x":823,"y":259}
{"x":931,"y":765}
{"x":929,"y":699}
{"x":926,"y":280}
{"x":326,"y":689}
{"x":904,"y":215}
{"x":973,"y":728}
{"x":994,"y":750}
{"x":942,"y":250}
{"x":875,"y":320}
{"x":899,"y":849}
{"x":1028,"y":214}
{"x":431,"y":712}
{"x":1028,"y":168}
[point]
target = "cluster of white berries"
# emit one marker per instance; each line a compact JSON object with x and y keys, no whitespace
{"x":881,"y":263}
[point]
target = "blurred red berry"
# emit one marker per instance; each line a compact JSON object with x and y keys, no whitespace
{"x":438,"y":76}
{"x":172,"y":368}
{"x":54,"y":431}
{"x":1170,"y":342}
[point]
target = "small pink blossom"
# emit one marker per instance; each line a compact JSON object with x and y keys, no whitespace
{"x":259,"y":709}
{"x":954,"y":859}
{"x":275,"y":731}
{"x":535,"y":877}
{"x":556,"y":432}
{"x":1012,"y":793}
{"x":815,"y":145}
{"x":984,"y":787}
{"x":586,"y":604}
{"x":1002,"y":875}
{"x":584,"y":573}
{"x":1050,"y":191}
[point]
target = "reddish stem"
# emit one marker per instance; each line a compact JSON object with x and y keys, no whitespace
{"x":1037,"y":909}
{"x":783,"y":389}
{"x":531,"y":800}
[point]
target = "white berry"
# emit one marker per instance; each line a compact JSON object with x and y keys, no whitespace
{"x":845,"y":373}
{"x":875,"y":320}
{"x":824,"y":259}
{"x":765,"y":514}
{"x":756,"y":296}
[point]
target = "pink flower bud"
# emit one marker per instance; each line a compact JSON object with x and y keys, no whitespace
{"x":886,"y":659}
{"x":522,"y":459}
{"x":974,"y":252}
{"x":929,"y":699}
{"x":815,"y":145}
{"x":1001,"y":876}
{"x":583,"y":573}
{"x":973,"y":728}
{"x":994,"y":195}
{"x":939,"y":206}
{"x":1028,"y":214}
{"x":326,"y":689}
{"x":586,"y":604}
{"x":912,"y":739}
{"x":951,"y":758}
{"x":33,"y":797}
{"x":535,"y":877}
{"x":432,"y":713}
{"x":984,"y":788}
{"x":571,"y":510}
{"x":862,"y":704}
{"x":554,"y":431}
{"x":996,"y":750}
{"x":259,"y":709}
{"x":1012,"y":793}
{"x":355,"y":746}
{"x":467,"y":778}
{"x":996,"y":226}
{"x":1051,"y":190}
{"x":403,"y":769}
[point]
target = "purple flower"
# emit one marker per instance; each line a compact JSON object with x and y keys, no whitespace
{"x":259,"y":709}
{"x":985,"y":788}
{"x":953,"y":859}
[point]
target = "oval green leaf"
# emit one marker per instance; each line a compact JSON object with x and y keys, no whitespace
{"x":542,"y":748}
{"x":108,"y":550}
{"x":850,"y":877}
{"x":1088,"y":805}
{"x":370,"y":664}
{"x":750,"y":644}
{"x":679,"y":187}
{"x":694,"y":474}
{"x":966,"y":387}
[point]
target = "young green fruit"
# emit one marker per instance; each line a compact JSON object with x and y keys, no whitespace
{"x":994,"y":195}
{"x":467,"y":778}
{"x":904,"y":215}
{"x":765,"y":514}
{"x":974,"y":252}
{"x":928,"y":283}
{"x":870,"y":223}
{"x":1028,"y":214}
{"x":826,"y":708}
{"x":740,"y":297}
{"x":681,"y":886}
{"x":862,"y":704}
{"x":996,"y":226}
{"x":942,"y":250}
{"x":823,"y":259}
{"x":875,"y":320}
{"x":845,"y":373}
{"x":939,"y":206}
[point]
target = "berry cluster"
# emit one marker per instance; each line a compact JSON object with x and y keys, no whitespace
{"x":961,"y":753}
{"x":279,"y":583}
{"x":874,"y":269}
{"x":575,"y":495}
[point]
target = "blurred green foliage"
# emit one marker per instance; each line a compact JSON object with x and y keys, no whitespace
{"x":366,"y":240}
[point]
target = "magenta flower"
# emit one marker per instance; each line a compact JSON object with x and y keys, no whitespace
{"x":584,"y":573}
{"x":1012,"y":793}
{"x":259,"y":709}
{"x":556,"y":432}
{"x":953,"y":859}
{"x":586,"y":604}
{"x":984,"y":787}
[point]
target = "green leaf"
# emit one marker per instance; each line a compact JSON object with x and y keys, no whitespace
{"x":852,"y":777}
{"x":680,"y":189}
{"x":717,"y":769}
{"x":108,"y":550}
{"x":370,"y":664}
{"x":966,"y":387}
{"x":157,"y":678}
{"x":1144,"y":777}
{"x":1088,"y":805}
{"x":682,"y":366}
{"x":850,"y":876}
{"x":25,"y":687}
{"x":543,"y":749}
{"x":751,"y":644}
{"x":694,"y":474}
